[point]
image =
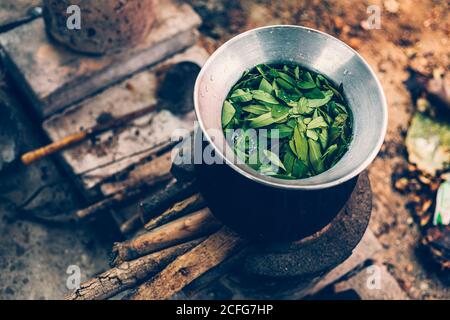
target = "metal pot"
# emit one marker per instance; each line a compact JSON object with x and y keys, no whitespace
{"x":317,"y":51}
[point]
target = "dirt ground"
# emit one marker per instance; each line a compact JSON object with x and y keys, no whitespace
{"x":413,"y":33}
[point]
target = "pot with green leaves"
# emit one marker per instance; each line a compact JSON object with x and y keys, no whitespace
{"x":306,"y":112}
{"x":297,"y":108}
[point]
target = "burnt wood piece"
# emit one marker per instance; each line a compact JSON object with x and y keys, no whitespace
{"x":16,"y":12}
{"x":53,"y":77}
{"x":173,"y":192}
{"x":186,"y":228}
{"x":138,"y":181}
{"x":158,"y":201}
{"x":149,"y":173}
{"x":188,"y":267}
{"x":107,"y":25}
{"x":176,"y":211}
{"x":129,"y":274}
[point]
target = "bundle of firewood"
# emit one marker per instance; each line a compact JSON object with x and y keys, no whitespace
{"x":161,"y":262}
{"x":174,"y":248}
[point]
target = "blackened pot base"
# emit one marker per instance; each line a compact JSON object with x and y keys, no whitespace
{"x":266,"y":213}
{"x":315,"y":255}
{"x":289,"y":266}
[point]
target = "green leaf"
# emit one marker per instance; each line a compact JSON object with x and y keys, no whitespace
{"x":240,"y":95}
{"x":323,"y":138}
{"x":263,"y":120}
{"x":315,"y":94}
{"x":315,"y":103}
{"x":307,"y":120}
{"x":279,"y":112}
{"x":284,"y":84}
{"x":318,"y":122}
{"x":330,"y":152}
{"x":300,"y":169}
{"x":264,"y":96}
{"x":292,"y":123}
{"x":256,"y":109}
{"x":300,"y":144}
{"x":335,"y":91}
{"x":306,"y":85}
{"x":289,"y":161}
{"x":325,"y":115}
{"x":260,"y":70}
{"x":265,"y":86}
{"x":267,"y":170}
{"x":297,"y":72}
{"x":308,"y":77}
{"x":289,"y":98}
{"x":302,"y":107}
{"x":274,"y":159}
{"x":312,"y":134}
{"x":286,"y":78}
{"x":227,"y":113}
{"x":334,"y":134}
{"x":315,"y":156}
{"x":284,"y":131}
{"x":301,"y":125}
{"x":340,"y":120}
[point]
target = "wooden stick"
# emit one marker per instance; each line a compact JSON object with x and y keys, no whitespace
{"x":140,"y":179}
{"x":74,"y":138}
{"x":149,"y":173}
{"x":190,"y":227}
{"x":129,"y":274}
{"x":179,"y":209}
{"x":190,"y":266}
{"x":118,"y":198}
{"x":32,"y":156}
{"x":174,"y":191}
{"x":158,"y":201}
{"x":131,"y":224}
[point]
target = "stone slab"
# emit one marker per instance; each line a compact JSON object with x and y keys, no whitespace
{"x":93,"y":162}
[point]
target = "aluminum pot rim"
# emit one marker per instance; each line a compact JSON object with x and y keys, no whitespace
{"x":277,"y":182}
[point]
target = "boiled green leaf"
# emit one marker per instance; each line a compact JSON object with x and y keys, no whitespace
{"x":227,"y":113}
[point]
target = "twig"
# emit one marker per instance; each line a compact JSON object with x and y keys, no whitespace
{"x":118,"y":198}
{"x":190,"y":227}
{"x":179,"y":209}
